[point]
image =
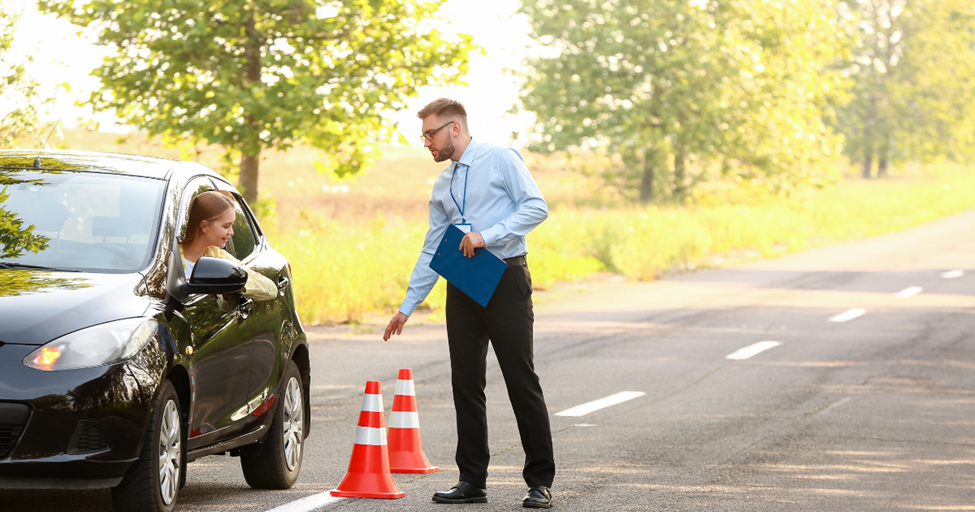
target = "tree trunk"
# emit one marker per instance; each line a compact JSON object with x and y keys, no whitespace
{"x":680,"y":180}
{"x":646,"y":184}
{"x":250,"y":158}
{"x":869,"y":125}
{"x":248,"y":176}
{"x":883,"y":158}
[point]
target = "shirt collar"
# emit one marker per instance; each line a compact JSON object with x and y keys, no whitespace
{"x":468,"y":157}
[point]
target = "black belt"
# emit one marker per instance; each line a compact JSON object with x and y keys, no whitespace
{"x":517,"y":261}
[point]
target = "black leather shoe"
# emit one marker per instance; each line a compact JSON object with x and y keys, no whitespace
{"x":538,"y":497}
{"x":463,"y":492}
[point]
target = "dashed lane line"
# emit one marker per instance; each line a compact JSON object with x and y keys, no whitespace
{"x":308,"y":503}
{"x":751,"y":350}
{"x":602,"y":403}
{"x":951,"y":274}
{"x":848,"y":315}
{"x":910,"y":291}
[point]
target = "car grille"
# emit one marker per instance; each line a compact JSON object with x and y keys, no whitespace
{"x":8,"y":437}
{"x":88,"y":438}
{"x":13,"y":417}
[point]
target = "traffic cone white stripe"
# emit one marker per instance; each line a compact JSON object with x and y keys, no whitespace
{"x":404,"y":419}
{"x":405,"y":388}
{"x":372,"y":403}
{"x":370,"y":436}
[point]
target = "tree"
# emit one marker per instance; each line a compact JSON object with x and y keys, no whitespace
{"x":24,"y":101}
{"x":252,"y":75}
{"x":736,"y":83}
{"x":912,"y":66}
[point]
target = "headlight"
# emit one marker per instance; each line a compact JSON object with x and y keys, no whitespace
{"x":95,"y":346}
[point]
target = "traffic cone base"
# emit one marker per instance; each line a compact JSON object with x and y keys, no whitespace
{"x":405,"y":447}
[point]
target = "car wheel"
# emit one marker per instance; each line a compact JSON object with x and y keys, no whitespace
{"x":153,"y":482}
{"x":277,"y":465}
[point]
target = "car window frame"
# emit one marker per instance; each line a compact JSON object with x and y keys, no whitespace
{"x":248,"y":216}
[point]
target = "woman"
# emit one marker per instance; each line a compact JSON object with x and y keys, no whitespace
{"x":211,"y":224}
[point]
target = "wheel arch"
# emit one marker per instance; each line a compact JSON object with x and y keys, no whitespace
{"x":302,"y":360}
{"x":181,"y":381}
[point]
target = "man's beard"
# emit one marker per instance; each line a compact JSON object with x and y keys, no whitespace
{"x":446,"y":152}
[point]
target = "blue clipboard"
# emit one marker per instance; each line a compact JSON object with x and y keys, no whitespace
{"x":477,"y":276}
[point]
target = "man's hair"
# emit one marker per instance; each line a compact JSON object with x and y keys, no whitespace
{"x":445,"y":108}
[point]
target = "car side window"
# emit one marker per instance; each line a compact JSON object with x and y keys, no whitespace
{"x":244,"y":241}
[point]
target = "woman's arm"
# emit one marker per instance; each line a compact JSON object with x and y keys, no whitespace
{"x":258,"y":286}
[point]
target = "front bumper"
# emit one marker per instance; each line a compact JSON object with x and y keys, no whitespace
{"x":84,"y":428}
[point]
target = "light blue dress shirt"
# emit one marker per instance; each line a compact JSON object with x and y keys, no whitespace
{"x":503,"y":204}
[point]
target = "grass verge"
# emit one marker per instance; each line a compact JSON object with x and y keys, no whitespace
{"x":344,"y":270}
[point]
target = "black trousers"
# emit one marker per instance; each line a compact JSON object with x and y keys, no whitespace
{"x":508,"y":322}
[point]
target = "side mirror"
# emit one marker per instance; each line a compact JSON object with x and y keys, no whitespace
{"x":210,"y":276}
{"x":215,"y":275}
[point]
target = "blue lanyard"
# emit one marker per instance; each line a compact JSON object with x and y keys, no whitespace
{"x":466,"y":176}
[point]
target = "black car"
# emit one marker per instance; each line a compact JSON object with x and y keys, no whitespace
{"x":115,"y":369}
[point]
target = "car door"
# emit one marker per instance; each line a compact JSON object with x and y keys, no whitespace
{"x":263,"y":317}
{"x":221,"y":354}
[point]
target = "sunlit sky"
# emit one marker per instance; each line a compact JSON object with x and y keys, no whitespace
{"x":61,"y":54}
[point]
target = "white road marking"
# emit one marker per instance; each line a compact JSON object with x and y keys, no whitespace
{"x":910,"y":291}
{"x":848,"y":315}
{"x":749,"y":351}
{"x":951,"y":274}
{"x":584,"y":409}
{"x":309,"y":503}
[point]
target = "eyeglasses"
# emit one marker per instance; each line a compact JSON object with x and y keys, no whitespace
{"x":429,"y":135}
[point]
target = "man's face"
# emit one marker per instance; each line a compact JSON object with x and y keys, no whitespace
{"x":440,"y":143}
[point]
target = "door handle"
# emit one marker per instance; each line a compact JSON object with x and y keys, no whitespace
{"x":244,"y":306}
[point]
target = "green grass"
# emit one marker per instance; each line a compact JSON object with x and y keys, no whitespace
{"x":347,"y":269}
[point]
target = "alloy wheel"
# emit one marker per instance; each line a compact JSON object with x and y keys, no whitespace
{"x":293,"y":424}
{"x":170,"y":452}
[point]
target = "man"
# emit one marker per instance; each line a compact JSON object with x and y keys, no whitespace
{"x":487,"y":192}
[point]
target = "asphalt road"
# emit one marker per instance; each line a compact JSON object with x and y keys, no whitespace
{"x":876,"y":412}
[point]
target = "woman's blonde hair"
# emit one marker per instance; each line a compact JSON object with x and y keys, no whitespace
{"x":208,"y":206}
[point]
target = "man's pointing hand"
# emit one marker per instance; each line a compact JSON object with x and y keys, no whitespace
{"x":395,"y":325}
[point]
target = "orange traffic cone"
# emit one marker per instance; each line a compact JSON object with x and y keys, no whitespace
{"x":368,"y":475}
{"x":405,"y":447}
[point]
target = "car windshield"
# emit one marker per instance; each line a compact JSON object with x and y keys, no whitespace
{"x":90,"y":222}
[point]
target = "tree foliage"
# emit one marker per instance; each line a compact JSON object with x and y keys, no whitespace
{"x":912,"y":66}
{"x":252,"y":75}
{"x":23,"y":100}
{"x":740,"y":85}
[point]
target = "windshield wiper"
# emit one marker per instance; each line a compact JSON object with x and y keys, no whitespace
{"x":23,"y":266}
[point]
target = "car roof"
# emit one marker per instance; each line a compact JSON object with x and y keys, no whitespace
{"x":94,"y":161}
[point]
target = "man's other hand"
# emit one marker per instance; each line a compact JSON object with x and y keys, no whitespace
{"x":395,"y":325}
{"x":470,"y":242}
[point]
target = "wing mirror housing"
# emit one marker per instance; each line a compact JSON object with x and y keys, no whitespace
{"x":210,"y":276}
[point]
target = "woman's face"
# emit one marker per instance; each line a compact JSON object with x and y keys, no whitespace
{"x":218,"y":231}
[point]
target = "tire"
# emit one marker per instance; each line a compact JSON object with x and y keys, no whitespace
{"x":152,"y":483}
{"x":278,"y":463}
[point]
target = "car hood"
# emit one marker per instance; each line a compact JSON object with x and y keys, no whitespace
{"x":39,"y":306}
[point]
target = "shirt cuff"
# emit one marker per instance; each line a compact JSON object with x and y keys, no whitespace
{"x":406,"y":309}
{"x":490,"y":236}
